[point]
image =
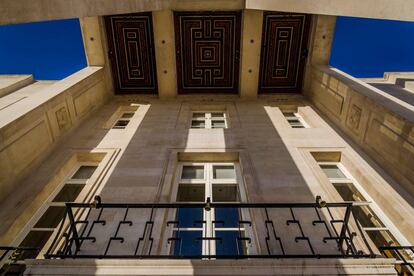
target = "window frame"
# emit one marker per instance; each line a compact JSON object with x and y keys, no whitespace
{"x":67,"y":180}
{"x":296,"y":116}
{"x":209,"y":228}
{"x":208,"y":119}
{"x":119,"y":118}
{"x":383,"y":219}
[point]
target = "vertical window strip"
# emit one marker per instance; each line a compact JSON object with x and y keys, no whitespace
{"x":123,"y":120}
{"x":295,"y":120}
{"x":54,"y":209}
{"x":366,"y":212}
{"x":220,"y":183}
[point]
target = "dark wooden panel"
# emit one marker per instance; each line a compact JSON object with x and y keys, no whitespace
{"x":284,"y":50}
{"x":208,"y":49}
{"x":131,"y":50}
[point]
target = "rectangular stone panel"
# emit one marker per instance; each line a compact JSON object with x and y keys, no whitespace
{"x":208,"y":51}
{"x":132,"y":54}
{"x":284,"y":51}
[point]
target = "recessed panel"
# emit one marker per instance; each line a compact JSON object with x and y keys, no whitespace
{"x":131,"y":51}
{"x":208,"y":49}
{"x":51,"y":218}
{"x":284,"y":43}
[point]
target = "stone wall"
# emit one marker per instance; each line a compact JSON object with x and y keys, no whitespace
{"x":30,"y":128}
{"x":10,"y":83}
{"x":275,"y":159}
{"x":379,"y":123}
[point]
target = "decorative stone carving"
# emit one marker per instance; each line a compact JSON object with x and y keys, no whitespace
{"x":354,"y":116}
{"x":283,"y":52}
{"x":62,"y":118}
{"x":131,"y":50}
{"x":208,"y":51}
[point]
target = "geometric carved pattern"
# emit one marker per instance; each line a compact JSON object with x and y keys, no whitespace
{"x":62,"y":118}
{"x":284,"y":50}
{"x":208,"y":48}
{"x":354,"y":116}
{"x":131,"y":49}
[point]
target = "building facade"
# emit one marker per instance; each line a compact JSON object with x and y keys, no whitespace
{"x":205,"y":138}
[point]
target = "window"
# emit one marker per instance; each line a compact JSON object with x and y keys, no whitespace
{"x":54,"y":212}
{"x":208,"y":120}
{"x":295,"y":120}
{"x":123,"y":120}
{"x":366,"y":212}
{"x":215,"y":232}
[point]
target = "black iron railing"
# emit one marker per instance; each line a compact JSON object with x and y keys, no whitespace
{"x":157,"y":230}
{"x":404,"y":256}
{"x":12,"y":259}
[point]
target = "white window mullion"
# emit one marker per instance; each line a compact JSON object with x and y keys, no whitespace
{"x":223,"y":192}
{"x":207,"y":118}
{"x":210,"y":246}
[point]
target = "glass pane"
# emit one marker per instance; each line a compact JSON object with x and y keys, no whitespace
{"x":228,"y":243}
{"x":198,"y":124}
{"x":293,"y":121}
{"x":225,"y":193}
{"x":193,"y":172}
{"x":199,"y":115}
{"x":36,"y":239}
{"x":226,"y":172}
{"x":217,"y":115}
{"x":127,"y":115}
{"x":348,"y":192}
{"x":189,"y":245}
{"x":84,"y":172}
{"x":121,"y":123}
{"x":289,"y":114}
{"x":382,"y":238}
{"x":69,"y":193}
{"x":332,"y":171}
{"x":218,"y":124}
{"x":367,"y":217}
{"x":301,"y":126}
{"x":51,"y":217}
{"x":191,"y":193}
{"x":189,"y":217}
{"x":227,"y":217}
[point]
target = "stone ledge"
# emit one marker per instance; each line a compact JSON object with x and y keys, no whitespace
{"x":9,"y":115}
{"x":378,"y":96}
{"x":11,"y":83}
{"x":213,"y":267}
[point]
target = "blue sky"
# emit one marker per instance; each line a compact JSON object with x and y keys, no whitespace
{"x":54,"y":49}
{"x":370,"y":47}
{"x":50,"y":50}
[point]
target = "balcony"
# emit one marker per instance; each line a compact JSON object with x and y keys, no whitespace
{"x":209,"y":231}
{"x":183,"y":230}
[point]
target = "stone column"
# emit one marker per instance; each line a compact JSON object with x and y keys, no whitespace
{"x":95,"y":43}
{"x":250,"y":53}
{"x":322,"y":34}
{"x":163,"y":24}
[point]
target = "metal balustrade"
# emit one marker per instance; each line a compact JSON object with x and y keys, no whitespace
{"x":404,"y":256}
{"x":154,"y":230}
{"x":12,"y":259}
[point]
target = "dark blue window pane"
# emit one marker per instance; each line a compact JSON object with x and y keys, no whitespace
{"x":189,"y":245}
{"x":229,"y":244}
{"x":230,"y":216}
{"x":189,"y":217}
